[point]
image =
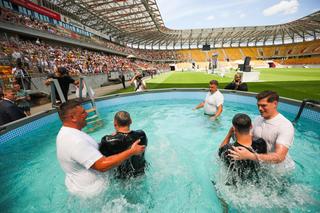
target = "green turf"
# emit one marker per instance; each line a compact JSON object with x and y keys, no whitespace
{"x":291,"y":74}
{"x":291,"y":89}
{"x":187,"y":78}
{"x":292,"y":83}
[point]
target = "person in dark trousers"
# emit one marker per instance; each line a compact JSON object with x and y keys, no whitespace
{"x":123,"y":79}
{"x":237,"y":84}
{"x":9,"y":111}
{"x":64,"y":81}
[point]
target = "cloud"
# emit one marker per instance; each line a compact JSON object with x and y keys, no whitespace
{"x":286,"y":7}
{"x":242,"y":15}
{"x":210,"y":18}
{"x":225,"y":14}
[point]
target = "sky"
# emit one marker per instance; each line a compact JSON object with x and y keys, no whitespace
{"x":191,"y":14}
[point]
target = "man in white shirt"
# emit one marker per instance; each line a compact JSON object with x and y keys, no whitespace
{"x":79,"y":156}
{"x":275,"y":129}
{"x":213,"y":104}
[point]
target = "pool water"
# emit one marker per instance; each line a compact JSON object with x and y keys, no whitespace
{"x":182,"y":158}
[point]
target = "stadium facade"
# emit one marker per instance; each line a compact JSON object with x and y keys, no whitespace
{"x":138,"y":23}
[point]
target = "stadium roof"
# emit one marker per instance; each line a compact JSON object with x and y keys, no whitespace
{"x":138,"y":23}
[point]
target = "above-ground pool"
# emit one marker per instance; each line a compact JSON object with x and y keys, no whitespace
{"x":182,"y":158}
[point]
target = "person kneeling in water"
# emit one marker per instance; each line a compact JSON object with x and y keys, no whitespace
{"x":122,"y":140}
{"x":241,"y":169}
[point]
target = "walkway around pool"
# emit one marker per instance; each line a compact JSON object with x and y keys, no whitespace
{"x":98,"y":93}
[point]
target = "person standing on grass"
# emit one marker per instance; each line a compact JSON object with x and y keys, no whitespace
{"x":122,"y":79}
{"x":213,"y":103}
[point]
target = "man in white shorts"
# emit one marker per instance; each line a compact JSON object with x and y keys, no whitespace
{"x":79,"y":156}
{"x":275,"y":129}
{"x":213,"y":104}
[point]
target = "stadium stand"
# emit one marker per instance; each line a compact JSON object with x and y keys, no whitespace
{"x":233,"y":53}
{"x":130,"y":39}
{"x":304,"y":49}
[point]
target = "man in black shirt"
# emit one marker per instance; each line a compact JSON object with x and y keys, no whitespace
{"x":237,"y":84}
{"x":64,"y":81}
{"x":243,"y":169}
{"x":122,"y":79}
{"x":122,"y":140}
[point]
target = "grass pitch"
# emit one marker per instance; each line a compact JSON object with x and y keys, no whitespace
{"x":296,"y":83}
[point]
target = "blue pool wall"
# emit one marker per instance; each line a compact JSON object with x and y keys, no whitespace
{"x":19,"y":128}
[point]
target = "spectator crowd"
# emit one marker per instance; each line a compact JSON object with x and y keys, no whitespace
{"x":7,"y":15}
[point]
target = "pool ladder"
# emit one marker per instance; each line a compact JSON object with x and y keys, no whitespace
{"x":93,"y":120}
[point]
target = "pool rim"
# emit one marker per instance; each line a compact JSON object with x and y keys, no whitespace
{"x":16,"y":124}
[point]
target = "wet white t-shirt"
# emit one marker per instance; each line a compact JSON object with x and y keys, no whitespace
{"x":277,"y":130}
{"x":77,"y":152}
{"x":139,"y":87}
{"x":212,"y":102}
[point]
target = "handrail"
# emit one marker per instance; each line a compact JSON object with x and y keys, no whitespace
{"x":94,"y":120}
{"x":305,"y":102}
{"x":55,"y":85}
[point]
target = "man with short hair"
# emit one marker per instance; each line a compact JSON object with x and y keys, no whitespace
{"x":9,"y":111}
{"x":121,"y":140}
{"x":242,"y":169}
{"x":79,"y":156}
{"x":213,"y":103}
{"x":64,"y":79}
{"x":275,"y":129}
{"x":237,"y":84}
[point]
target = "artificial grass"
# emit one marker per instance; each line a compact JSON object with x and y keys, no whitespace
{"x":291,"y":89}
{"x":290,"y":74}
{"x":187,"y":78}
{"x":291,"y":83}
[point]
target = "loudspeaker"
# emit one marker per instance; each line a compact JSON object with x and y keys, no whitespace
{"x":247,"y":69}
{"x":206,"y":47}
{"x":247,"y":61}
